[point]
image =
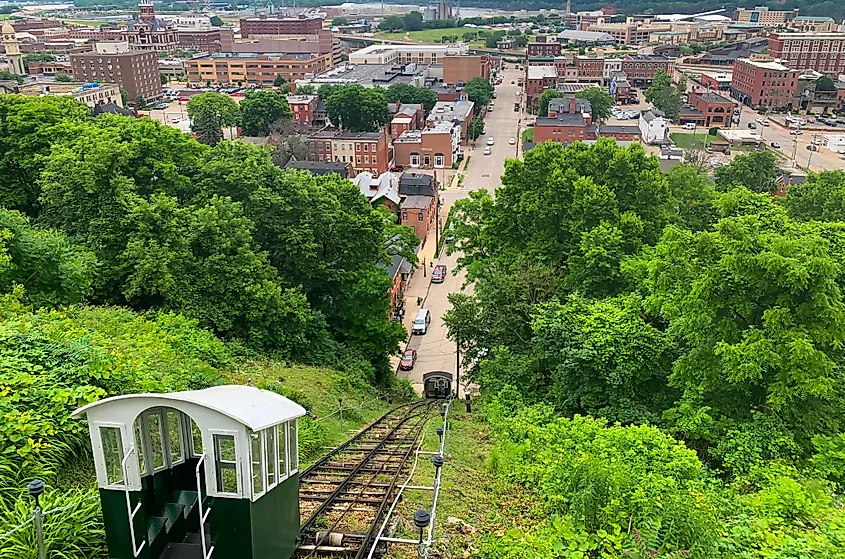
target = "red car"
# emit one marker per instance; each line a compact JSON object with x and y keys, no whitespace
{"x":408,"y":359}
{"x":184,"y":99}
{"x":439,"y":274}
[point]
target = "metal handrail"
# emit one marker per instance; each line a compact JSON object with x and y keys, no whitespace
{"x":206,"y":553}
{"x":129,"y":510}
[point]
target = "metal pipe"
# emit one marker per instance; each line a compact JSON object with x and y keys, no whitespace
{"x":430,"y":538}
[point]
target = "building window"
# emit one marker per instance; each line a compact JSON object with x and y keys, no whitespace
{"x":439,"y":160}
{"x":358,"y":159}
{"x":420,"y":216}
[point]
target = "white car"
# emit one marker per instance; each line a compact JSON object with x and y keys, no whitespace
{"x":512,"y":141}
{"x":490,"y":141}
{"x":689,"y":126}
{"x":487,"y":151}
{"x":796,"y":132}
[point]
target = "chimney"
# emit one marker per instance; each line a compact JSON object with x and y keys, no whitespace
{"x":572,"y":105}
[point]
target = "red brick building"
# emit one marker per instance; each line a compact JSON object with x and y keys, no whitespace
{"x":303,"y":107}
{"x":461,"y":68}
{"x":214,"y":39}
{"x":640,"y":69}
{"x":590,"y":69}
{"x":569,"y":120}
{"x":436,"y":147}
{"x":406,"y":117}
{"x":715,"y":110}
{"x":264,"y":26}
{"x":621,"y":133}
{"x":366,"y":151}
{"x":822,"y":52}
{"x":136,"y":72}
{"x":418,"y":205}
{"x":538,"y":80}
{"x":547,"y":49}
{"x":764,"y":83}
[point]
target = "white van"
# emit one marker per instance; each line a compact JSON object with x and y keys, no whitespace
{"x":421,"y":322}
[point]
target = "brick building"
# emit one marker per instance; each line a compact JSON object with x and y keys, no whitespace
{"x":366,"y":151}
{"x":409,"y":116}
{"x":590,"y":69}
{"x":49,"y":68}
{"x":266,"y":26}
{"x":764,"y":83}
{"x":136,"y":72}
{"x":640,"y":69}
{"x":822,"y":52}
{"x":809,"y":24}
{"x":304,"y":107}
{"x":435,"y":147}
{"x":538,"y":80}
{"x":418,"y":202}
{"x":569,"y":120}
{"x":715,"y":109}
{"x":212,"y":39}
{"x":457,"y":112}
{"x":260,"y":69}
{"x":765,"y":16}
{"x":461,"y":68}
{"x":544,"y":48}
{"x":621,"y":132}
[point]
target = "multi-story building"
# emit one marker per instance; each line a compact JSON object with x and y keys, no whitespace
{"x":590,"y":69}
{"x":90,"y":94}
{"x":260,"y":69}
{"x":630,"y":33}
{"x":406,"y":116}
{"x":545,"y":48}
{"x":304,"y":107}
{"x":461,"y":68}
{"x":654,"y":127}
{"x":136,"y":72}
{"x":569,"y":120}
{"x":538,"y":80}
{"x":822,"y":52}
{"x":716,"y":110}
{"x":435,"y":147}
{"x":366,"y":151}
{"x":406,"y":54}
{"x":418,"y":204}
{"x":640,"y":68}
{"x":36,"y":26}
{"x":452,"y":112}
{"x":763,"y":82}
{"x":268,"y":26}
{"x":812,"y":24}
{"x":762,"y":14}
{"x":620,"y":132}
{"x":210,"y":39}
{"x":50,"y":68}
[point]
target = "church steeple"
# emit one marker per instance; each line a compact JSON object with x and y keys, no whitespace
{"x":13,"y":49}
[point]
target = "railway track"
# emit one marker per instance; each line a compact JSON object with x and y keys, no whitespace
{"x":344,"y":497}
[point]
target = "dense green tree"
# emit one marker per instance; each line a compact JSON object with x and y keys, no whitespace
{"x":825,"y":83}
{"x":544,"y":100}
{"x":756,"y":171}
{"x":413,"y":21}
{"x":64,"y":78}
{"x":307,"y":89}
{"x":50,"y":269}
{"x":520,"y":42}
{"x":338,"y":21}
{"x":279,"y":81}
{"x":475,"y":128}
{"x":29,"y":126}
{"x":260,"y":109}
{"x":820,"y":197}
{"x":600,"y":100}
{"x":479,"y":91}
{"x":408,"y":93}
{"x":216,"y":21}
{"x":664,"y":96}
{"x":357,"y":108}
{"x":757,"y":305}
{"x":7,"y":75}
{"x":391,"y":23}
{"x":692,"y":197}
{"x":209,"y":113}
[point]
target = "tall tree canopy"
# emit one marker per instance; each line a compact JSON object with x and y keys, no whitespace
{"x":407,"y":93}
{"x":260,"y":109}
{"x":357,"y":108}
{"x":820,"y":197}
{"x":600,"y":100}
{"x":479,"y":91}
{"x":209,"y":113}
{"x":664,"y":96}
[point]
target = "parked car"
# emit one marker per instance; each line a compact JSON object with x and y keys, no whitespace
{"x":487,"y":151}
{"x":409,"y":358}
{"x":490,"y":141}
{"x":752,"y":125}
{"x":439,"y":274}
{"x":512,"y":141}
{"x":811,"y":147}
{"x":689,"y":126}
{"x":775,"y":145}
{"x":795,"y":132}
{"x":397,"y":168}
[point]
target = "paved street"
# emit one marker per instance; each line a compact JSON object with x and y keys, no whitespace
{"x":434,"y":351}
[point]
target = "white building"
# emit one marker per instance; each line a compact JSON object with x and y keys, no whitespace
{"x":654,"y":127}
{"x":406,"y":54}
{"x":836,"y":143}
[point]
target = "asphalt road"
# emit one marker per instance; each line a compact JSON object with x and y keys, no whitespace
{"x":434,"y":351}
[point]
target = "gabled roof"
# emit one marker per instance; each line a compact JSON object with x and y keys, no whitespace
{"x":250,"y":406}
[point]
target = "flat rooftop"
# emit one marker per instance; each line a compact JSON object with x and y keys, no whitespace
{"x":369,"y":74}
{"x":767,"y":65}
{"x":541,"y":72}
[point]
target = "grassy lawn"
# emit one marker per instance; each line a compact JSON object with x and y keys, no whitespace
{"x":484,"y":504}
{"x":91,"y":22}
{"x":430,"y":35}
{"x":687,"y":140}
{"x":528,"y":135}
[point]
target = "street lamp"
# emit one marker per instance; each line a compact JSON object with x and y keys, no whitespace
{"x":35,"y":488}
{"x":421,"y":520}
